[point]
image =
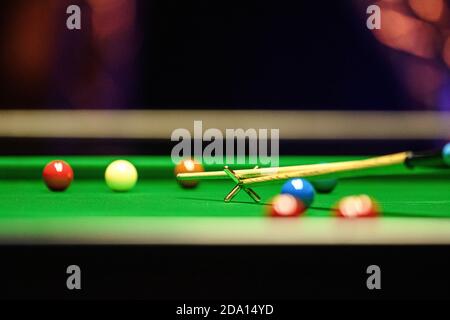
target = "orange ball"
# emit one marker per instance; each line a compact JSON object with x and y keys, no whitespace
{"x":360,"y":206}
{"x":188,"y":166}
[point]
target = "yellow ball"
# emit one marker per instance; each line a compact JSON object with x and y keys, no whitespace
{"x":121,"y":175}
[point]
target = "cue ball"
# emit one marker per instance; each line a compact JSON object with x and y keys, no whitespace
{"x":285,"y":205}
{"x":188,"y":166}
{"x":57,"y":175}
{"x":302,"y":189}
{"x":324,"y":185}
{"x":360,"y":206}
{"x":446,"y":153}
{"x":121,"y":175}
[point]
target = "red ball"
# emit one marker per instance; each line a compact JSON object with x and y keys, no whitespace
{"x":360,"y":206}
{"x":188,"y":166}
{"x":57,"y":175}
{"x":286,"y":205}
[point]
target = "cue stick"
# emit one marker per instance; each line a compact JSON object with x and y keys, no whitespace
{"x":249,"y":173}
{"x":433,"y":158}
{"x":249,"y":177}
{"x":242,"y":173}
{"x":329,"y":168}
{"x":263,"y":172}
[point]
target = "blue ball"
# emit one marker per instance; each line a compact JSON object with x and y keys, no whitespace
{"x":324,"y":185}
{"x":446,"y":154}
{"x":302,"y":189}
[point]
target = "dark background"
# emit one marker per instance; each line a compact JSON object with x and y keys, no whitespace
{"x":200,"y":54}
{"x":262,"y":54}
{"x":221,"y":274}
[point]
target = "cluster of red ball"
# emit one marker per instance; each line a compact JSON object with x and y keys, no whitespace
{"x":359,"y":206}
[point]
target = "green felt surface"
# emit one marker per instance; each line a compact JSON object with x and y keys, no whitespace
{"x":400,"y":191}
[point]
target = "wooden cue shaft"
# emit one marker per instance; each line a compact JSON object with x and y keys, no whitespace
{"x":328,"y":168}
{"x":243,"y":173}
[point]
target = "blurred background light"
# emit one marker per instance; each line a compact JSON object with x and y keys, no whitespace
{"x":424,"y":80}
{"x":446,"y":51}
{"x":113,"y":18}
{"x":428,"y":10}
{"x":418,"y":32}
{"x":153,"y":53}
{"x":30,"y":45}
{"x":408,"y":34}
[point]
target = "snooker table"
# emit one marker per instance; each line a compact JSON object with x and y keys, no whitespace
{"x":415,"y":205}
